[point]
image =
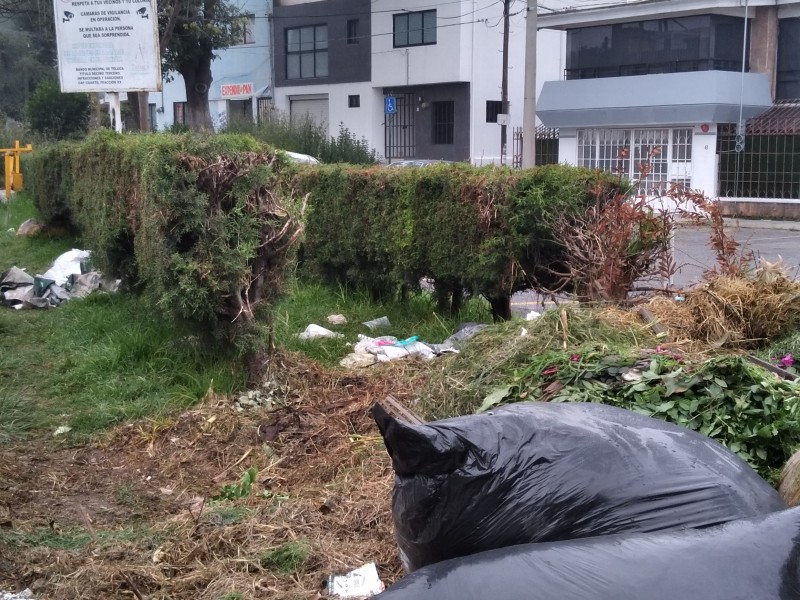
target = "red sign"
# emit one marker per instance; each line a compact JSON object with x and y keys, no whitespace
{"x":237,"y":89}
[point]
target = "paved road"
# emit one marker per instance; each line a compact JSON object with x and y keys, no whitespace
{"x":694,"y":256}
{"x":767,"y":239}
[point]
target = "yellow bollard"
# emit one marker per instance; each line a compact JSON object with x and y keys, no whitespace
{"x":9,"y":166}
{"x":13,"y":178}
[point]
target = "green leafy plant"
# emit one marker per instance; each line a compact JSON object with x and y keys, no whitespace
{"x":239,"y":490}
{"x":726,"y":398}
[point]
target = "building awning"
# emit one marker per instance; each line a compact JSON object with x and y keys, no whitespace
{"x":781,"y":119}
{"x":647,"y":100}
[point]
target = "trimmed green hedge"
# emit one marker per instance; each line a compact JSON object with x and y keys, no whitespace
{"x":485,"y":229}
{"x":201,"y":224}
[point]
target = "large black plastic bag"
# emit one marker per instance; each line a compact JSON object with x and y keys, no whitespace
{"x":541,"y":472}
{"x":752,"y":559}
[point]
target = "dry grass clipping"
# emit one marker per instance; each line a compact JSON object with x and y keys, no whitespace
{"x":733,"y":312}
{"x":325,"y":481}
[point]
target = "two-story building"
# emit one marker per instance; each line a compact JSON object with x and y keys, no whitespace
{"x":439,"y":64}
{"x":672,"y":83}
{"x":242,"y":75}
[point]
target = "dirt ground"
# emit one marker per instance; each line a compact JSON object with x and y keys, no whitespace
{"x":132,"y":515}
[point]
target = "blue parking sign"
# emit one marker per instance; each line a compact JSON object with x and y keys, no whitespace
{"x":390,"y":105}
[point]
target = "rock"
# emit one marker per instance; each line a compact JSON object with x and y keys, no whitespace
{"x":30,"y":228}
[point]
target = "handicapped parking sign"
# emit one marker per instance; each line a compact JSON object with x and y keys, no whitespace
{"x":390,"y":105}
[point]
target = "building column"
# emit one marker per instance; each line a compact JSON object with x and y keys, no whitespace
{"x":764,"y":43}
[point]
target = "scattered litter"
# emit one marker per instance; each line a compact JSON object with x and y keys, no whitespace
{"x":337,"y":319}
{"x":317,"y":331}
{"x":380,"y":322}
{"x":387,"y":348}
{"x":67,"y":278}
{"x":680,"y":298}
{"x":270,"y":396}
{"x":532,"y":316}
{"x":72,"y":262}
{"x":25,"y":594}
{"x":358,"y":360}
{"x":359,"y":583}
{"x":523,"y":332}
{"x":62,"y":430}
{"x":158,"y":555}
{"x":456,"y":342}
{"x":30,"y":228}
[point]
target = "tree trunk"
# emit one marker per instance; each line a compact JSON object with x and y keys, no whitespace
{"x":138,"y":103}
{"x":501,"y":308}
{"x":197,"y":77}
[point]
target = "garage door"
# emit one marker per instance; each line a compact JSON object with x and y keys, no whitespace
{"x":316,"y":108}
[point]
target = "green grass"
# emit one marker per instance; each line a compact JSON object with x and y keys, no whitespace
{"x":35,"y":254}
{"x":312,"y":303}
{"x":77,"y":538}
{"x":94,"y":363}
{"x":287,"y":558}
{"x":107,"y":359}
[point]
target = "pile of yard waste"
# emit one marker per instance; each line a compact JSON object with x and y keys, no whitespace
{"x":303,"y":488}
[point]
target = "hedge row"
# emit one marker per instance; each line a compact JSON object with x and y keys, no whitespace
{"x":487,"y":230}
{"x":201,"y":224}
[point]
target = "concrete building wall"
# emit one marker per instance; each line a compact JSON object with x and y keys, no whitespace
{"x":346,"y":62}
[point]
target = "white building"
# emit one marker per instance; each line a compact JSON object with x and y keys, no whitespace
{"x":439,"y":64}
{"x":242,"y":76}
{"x":671,"y":80}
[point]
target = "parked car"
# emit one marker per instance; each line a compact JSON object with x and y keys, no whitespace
{"x":304,"y":159}
{"x":421,"y":162}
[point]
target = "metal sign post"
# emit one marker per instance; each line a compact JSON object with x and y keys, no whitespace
{"x":389,"y":109}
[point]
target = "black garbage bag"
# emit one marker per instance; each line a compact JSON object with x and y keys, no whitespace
{"x":750,"y":559}
{"x":539,"y":472}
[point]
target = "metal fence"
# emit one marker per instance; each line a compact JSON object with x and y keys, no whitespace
{"x":767,"y":167}
{"x":546,"y":146}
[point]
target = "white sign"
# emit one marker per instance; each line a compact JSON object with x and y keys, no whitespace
{"x":108,"y":45}
{"x":236,"y":89}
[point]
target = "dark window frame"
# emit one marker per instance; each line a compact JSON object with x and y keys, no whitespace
{"x":352,"y":31}
{"x":179,"y":108}
{"x":493,"y":108}
{"x":427,"y":34}
{"x":443,"y":123}
{"x":300,"y":52}
{"x":248,"y":23}
{"x":354,"y":101}
{"x":787,"y":71}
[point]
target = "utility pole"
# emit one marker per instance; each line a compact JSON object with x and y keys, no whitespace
{"x":504,"y":85}
{"x":529,"y":108}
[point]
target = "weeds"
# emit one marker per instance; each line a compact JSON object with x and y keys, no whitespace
{"x":241,"y":489}
{"x":288,"y":558}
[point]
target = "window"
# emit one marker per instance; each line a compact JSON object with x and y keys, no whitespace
{"x":668,"y":152}
{"x":354,"y":101}
{"x":677,"y":44}
{"x":493,"y":108}
{"x":443,"y":122}
{"x":415,"y":28}
{"x":245,"y":26}
{"x":788,"y":76}
{"x":307,"y":52}
{"x":179,"y":113}
{"x":352,"y":31}
{"x":151,"y":110}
